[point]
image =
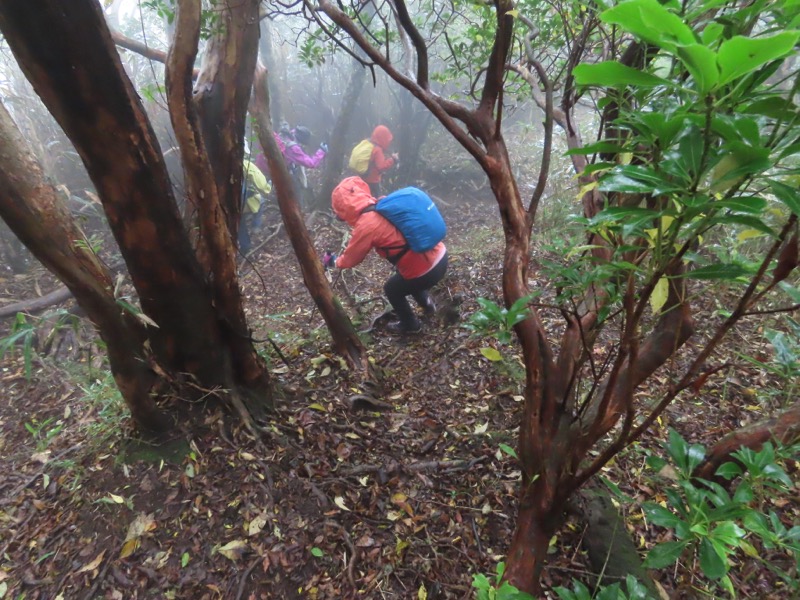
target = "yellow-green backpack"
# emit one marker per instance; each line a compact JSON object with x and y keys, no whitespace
{"x":359,"y":157}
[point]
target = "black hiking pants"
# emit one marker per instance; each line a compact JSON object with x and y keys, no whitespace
{"x":397,"y":288}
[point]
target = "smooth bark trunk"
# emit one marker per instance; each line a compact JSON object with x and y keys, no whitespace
{"x":202,"y":177}
{"x":345,"y":338}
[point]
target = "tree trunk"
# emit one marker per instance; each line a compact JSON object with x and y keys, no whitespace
{"x":218,"y":243}
{"x":267,"y":55}
{"x":344,"y":336}
{"x":33,"y":209}
{"x":70,"y":59}
{"x":783,"y":428}
{"x":412,"y":133}
{"x":222,"y":93}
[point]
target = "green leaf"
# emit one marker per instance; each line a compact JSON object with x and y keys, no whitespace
{"x":728,"y":533}
{"x":508,"y":450}
{"x":775,"y":107}
{"x":491,"y":354}
{"x":748,"y":221}
{"x":701,"y":63}
{"x":743,"y":204}
{"x":661,"y":516}
{"x":317,"y":552}
{"x":664,"y":555}
{"x":185,"y":557}
{"x":613,"y":74}
{"x":712,"y":564}
{"x":788,"y":195}
{"x":651,"y":21}
{"x":729,"y":470}
{"x":728,"y":272}
{"x":598,"y":147}
{"x":740,"y":55}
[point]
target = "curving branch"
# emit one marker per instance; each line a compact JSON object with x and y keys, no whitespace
{"x":417,"y":40}
{"x":444,"y":110}
{"x":142,"y":49}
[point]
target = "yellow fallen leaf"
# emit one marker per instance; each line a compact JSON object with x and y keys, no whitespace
{"x":257,"y":524}
{"x":482,"y":428}
{"x":317,"y":406}
{"x":234,"y":550}
{"x":94,"y":564}
{"x":116,"y":499}
{"x":129,"y":548}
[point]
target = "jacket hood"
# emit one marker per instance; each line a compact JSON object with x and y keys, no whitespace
{"x":382,"y":136}
{"x":349,"y":198}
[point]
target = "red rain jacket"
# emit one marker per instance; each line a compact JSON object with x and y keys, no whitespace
{"x":371,"y":230}
{"x":378,"y":162}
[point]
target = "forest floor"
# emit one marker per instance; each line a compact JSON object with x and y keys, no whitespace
{"x":344,"y":497}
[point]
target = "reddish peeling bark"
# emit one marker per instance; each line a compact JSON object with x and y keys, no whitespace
{"x":36,"y":213}
{"x":222,"y":94}
{"x":345,"y":338}
{"x":70,"y":59}
{"x":783,"y":428}
{"x":202,"y":185}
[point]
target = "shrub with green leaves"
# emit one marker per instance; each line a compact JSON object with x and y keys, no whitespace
{"x":498,"y":589}
{"x":496,"y":321}
{"x":633,"y":591}
{"x":712,"y":525}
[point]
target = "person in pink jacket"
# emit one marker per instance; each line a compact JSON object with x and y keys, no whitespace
{"x":292,"y":142}
{"x":416,"y":273}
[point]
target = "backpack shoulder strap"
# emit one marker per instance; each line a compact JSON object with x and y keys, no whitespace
{"x":392,"y":258}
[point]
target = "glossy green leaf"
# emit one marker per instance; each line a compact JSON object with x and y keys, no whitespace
{"x":651,"y":21}
{"x":597,"y":147}
{"x":728,"y":533}
{"x":661,"y":516}
{"x":743,"y":204}
{"x":788,"y":195}
{"x":613,"y":74}
{"x":740,"y":55}
{"x":721,"y":271}
{"x":664,"y":555}
{"x":749,"y":221}
{"x":712,"y":564}
{"x":701,"y":62}
{"x":712,"y":32}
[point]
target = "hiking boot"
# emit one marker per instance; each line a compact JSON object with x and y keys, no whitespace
{"x":429,"y":308}
{"x":400,"y":328}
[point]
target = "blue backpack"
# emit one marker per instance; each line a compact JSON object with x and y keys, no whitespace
{"x":416,"y":217}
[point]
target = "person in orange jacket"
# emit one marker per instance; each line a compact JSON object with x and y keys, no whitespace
{"x":416,"y":273}
{"x":379,"y":163}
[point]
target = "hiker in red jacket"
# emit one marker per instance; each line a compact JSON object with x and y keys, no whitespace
{"x":415,"y":272}
{"x":378,"y":162}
